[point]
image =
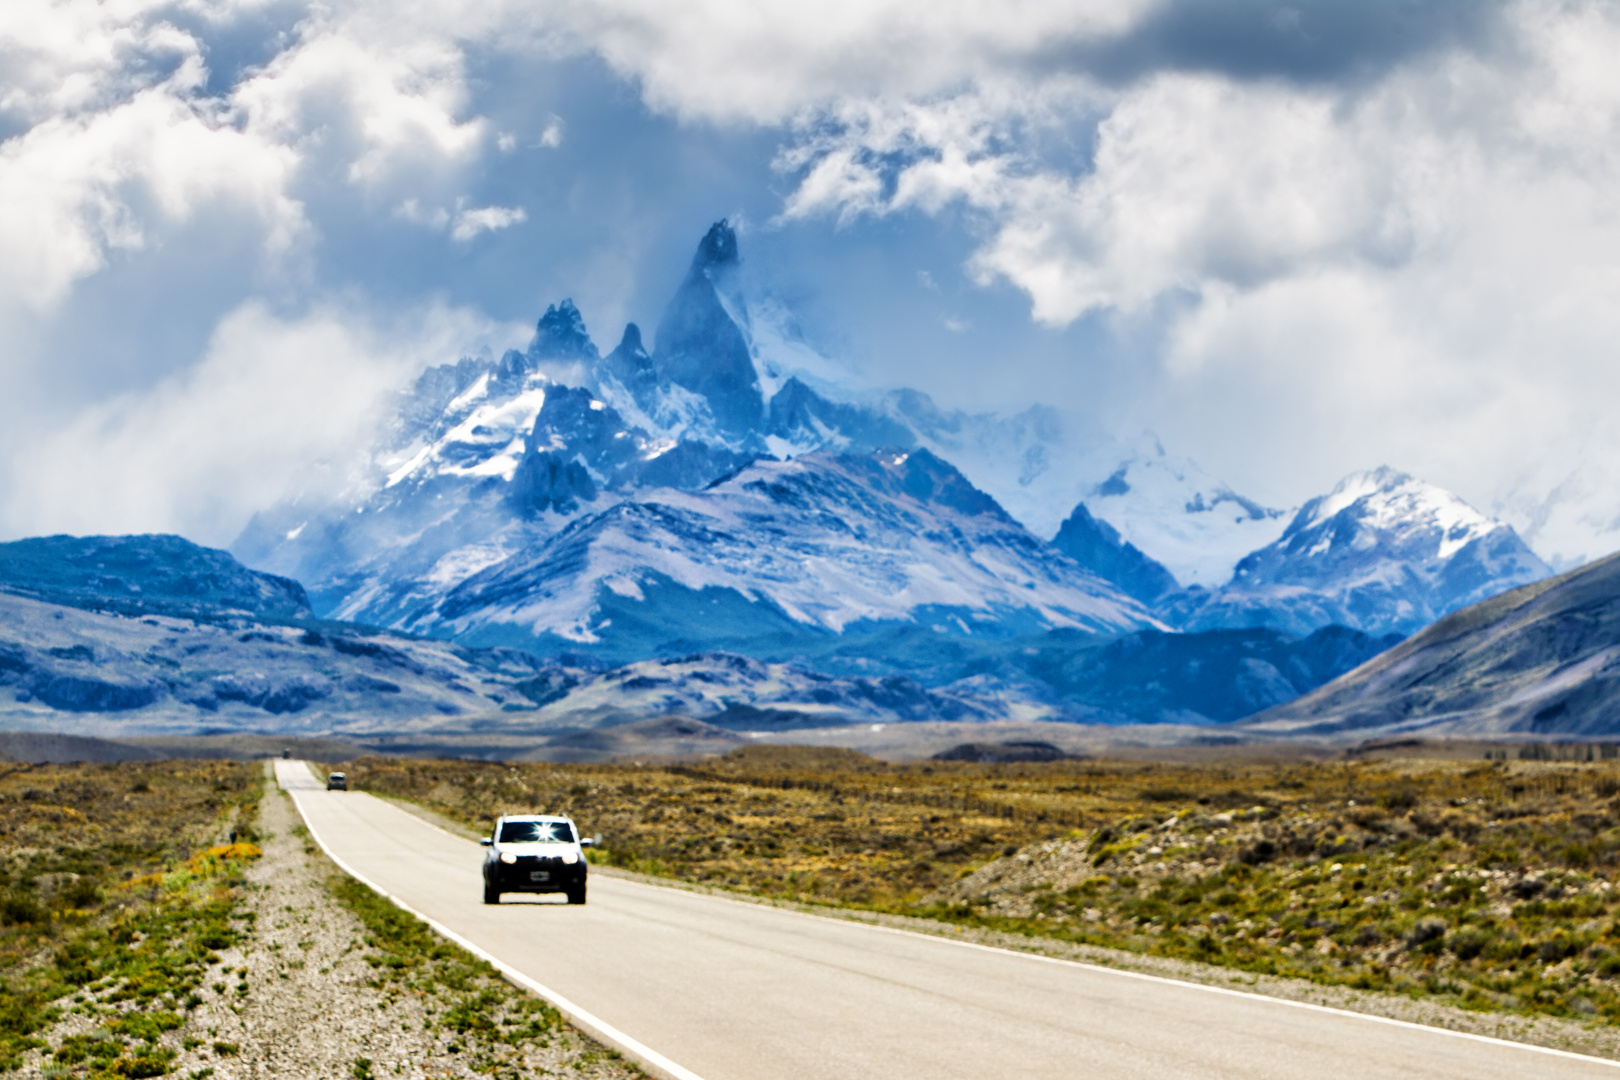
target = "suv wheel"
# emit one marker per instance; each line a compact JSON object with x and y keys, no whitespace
{"x":576,"y":895}
{"x":491,"y":896}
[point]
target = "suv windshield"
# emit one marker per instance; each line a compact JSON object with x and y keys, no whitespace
{"x":536,"y":832}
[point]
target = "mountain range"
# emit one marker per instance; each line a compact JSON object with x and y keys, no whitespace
{"x":722,"y":490}
{"x":232,"y":656}
{"x":720,"y":523}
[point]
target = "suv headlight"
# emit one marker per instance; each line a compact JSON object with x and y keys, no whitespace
{"x":508,"y":858}
{"x":570,"y":857}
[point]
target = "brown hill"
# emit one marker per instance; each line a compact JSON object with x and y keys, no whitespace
{"x":1542,"y":660}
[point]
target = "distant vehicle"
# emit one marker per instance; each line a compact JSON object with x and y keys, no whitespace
{"x":538,"y":853}
{"x":286,"y":755}
{"x":337,"y":782}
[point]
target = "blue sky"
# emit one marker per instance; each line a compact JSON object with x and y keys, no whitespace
{"x":1293,"y":240}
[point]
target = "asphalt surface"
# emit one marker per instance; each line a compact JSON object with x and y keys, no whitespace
{"x":727,"y":990}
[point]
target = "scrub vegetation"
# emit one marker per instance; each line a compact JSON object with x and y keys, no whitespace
{"x":466,"y":1000}
{"x":116,"y":891}
{"x":1485,"y":884}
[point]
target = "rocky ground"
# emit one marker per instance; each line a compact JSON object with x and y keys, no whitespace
{"x":317,"y":989}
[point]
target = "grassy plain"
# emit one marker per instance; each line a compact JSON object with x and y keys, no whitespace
{"x":1486,"y":884}
{"x":115,"y":893}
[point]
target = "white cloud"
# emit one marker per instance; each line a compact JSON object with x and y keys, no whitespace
{"x":413,"y":211}
{"x":551,"y":136}
{"x":120,"y":137}
{"x":274,"y":402}
{"x":391,"y":102}
{"x":1419,"y":269}
{"x":469,"y":223}
{"x":763,"y":63}
{"x":97,"y":175}
{"x":81,"y":55}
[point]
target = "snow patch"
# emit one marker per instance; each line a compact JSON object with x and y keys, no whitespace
{"x":475,"y":392}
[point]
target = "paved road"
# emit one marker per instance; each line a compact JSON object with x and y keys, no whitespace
{"x":726,"y":990}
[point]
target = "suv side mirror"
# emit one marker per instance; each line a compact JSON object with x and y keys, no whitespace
{"x":586,"y":841}
{"x":487,"y":841}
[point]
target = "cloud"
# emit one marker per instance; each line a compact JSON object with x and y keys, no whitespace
{"x":80,"y":55}
{"x":1194,"y":179}
{"x":1417,"y":267}
{"x":274,"y":403}
{"x":390,"y":104}
{"x":469,"y":223}
{"x":736,"y":61}
{"x":98,"y":175}
{"x":1320,"y":42}
{"x":119,"y":131}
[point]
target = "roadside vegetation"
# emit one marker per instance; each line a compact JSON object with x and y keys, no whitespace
{"x":466,"y":1000}
{"x":1484,"y":884}
{"x":118,"y":886}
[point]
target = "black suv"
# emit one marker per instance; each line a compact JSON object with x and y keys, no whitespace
{"x":537,"y":853}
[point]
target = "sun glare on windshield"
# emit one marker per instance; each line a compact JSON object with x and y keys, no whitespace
{"x":536,"y":832}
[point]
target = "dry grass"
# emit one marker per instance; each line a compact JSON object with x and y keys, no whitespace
{"x":113,"y":894}
{"x":1484,"y":884}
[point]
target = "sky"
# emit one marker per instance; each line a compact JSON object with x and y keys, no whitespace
{"x":1293,"y":241}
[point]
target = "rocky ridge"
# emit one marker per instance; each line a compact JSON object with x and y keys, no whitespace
{"x":1540,"y":660}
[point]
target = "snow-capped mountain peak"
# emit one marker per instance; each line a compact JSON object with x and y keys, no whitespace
{"x":701,"y":346}
{"x":1382,"y":552}
{"x":1388,"y":500}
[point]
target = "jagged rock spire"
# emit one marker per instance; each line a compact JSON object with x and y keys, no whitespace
{"x":717,"y":248}
{"x":700,"y":346}
{"x":561,"y":334}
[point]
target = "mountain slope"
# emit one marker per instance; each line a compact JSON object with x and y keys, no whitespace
{"x":700,"y":346}
{"x":741,"y":693}
{"x":1098,"y":547}
{"x":87,"y":672}
{"x":825,"y":544}
{"x":1542,"y":660}
{"x":1382,"y":552}
{"x":1036,"y":463}
{"x":1143,"y":677}
{"x":155,"y":574}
